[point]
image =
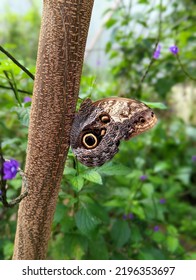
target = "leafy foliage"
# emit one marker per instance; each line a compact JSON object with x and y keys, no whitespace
{"x":141,"y":205}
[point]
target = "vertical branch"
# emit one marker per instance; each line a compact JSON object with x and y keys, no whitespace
{"x":62,"y":42}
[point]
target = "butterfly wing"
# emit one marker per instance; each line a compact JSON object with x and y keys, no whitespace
{"x":136,"y":116}
{"x":99,"y":127}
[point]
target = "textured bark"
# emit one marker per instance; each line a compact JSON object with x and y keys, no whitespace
{"x":62,"y":42}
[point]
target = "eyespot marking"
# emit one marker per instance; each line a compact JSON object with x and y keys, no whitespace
{"x":105,"y":119}
{"x":89,"y":140}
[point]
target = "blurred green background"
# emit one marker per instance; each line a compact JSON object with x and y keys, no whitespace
{"x":141,"y":205}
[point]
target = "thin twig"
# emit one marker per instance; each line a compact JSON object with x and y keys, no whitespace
{"x":177,"y":55}
{"x":20,"y":197}
{"x":17,"y":63}
{"x":13,"y":85}
{"x":3,"y":186}
{"x":19,"y":90}
{"x":183,"y":69}
{"x":155,"y":47}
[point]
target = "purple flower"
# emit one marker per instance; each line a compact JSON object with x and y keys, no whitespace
{"x":10,"y":168}
{"x":162,"y":201}
{"x":98,"y":62}
{"x":174,"y":49}
{"x":131,"y":216}
{"x":27,"y":99}
{"x":143,"y":177}
{"x":157,"y":52}
{"x":193,"y":158}
{"x":156,"y":228}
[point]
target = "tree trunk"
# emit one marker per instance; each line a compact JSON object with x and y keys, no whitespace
{"x":62,"y":42}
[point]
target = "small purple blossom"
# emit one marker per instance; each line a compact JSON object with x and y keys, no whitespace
{"x":162,"y":201}
{"x":128,"y":216}
{"x":27,"y":99}
{"x":174,"y":49}
{"x":157,"y":52}
{"x":156,"y":228}
{"x":143,"y":177}
{"x":193,"y":158}
{"x":98,"y":62}
{"x":131,"y":216}
{"x":10,"y":169}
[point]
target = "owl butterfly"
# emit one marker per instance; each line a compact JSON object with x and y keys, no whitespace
{"x":99,"y":127}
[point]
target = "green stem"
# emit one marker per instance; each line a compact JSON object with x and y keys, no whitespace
{"x":12,"y":84}
{"x":155,"y":207}
{"x":17,"y":63}
{"x":156,"y":44}
{"x":19,"y":90}
{"x":183,"y":69}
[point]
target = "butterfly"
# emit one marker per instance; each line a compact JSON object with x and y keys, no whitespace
{"x":99,"y":126}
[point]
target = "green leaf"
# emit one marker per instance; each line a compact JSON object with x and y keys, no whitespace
{"x":67,"y":225}
{"x":147,"y":189}
{"x":61,"y":219}
{"x":98,"y":249}
{"x":110,"y":22}
{"x":172,"y":243}
{"x":72,"y":246}
{"x":136,"y":235}
{"x":143,"y":1}
{"x":93,"y":176}
{"x":98,"y":211}
{"x":161,"y":166}
{"x":192,"y":255}
{"x":150,"y":253}
{"x":158,"y":237}
{"x":77,"y":182}
{"x":69,"y":171}
{"x":8,"y":250}
{"x":140,"y":162}
{"x":138,"y":211}
{"x":108,"y":47}
{"x":183,"y":174}
{"x":143,"y":23}
{"x":23,"y":114}
{"x":110,"y":169}
{"x":60,"y":213}
{"x":172,"y":230}
{"x":85,"y":221}
{"x":120,"y":233}
{"x":157,"y":105}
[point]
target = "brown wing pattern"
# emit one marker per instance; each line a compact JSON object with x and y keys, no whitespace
{"x":99,"y":127}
